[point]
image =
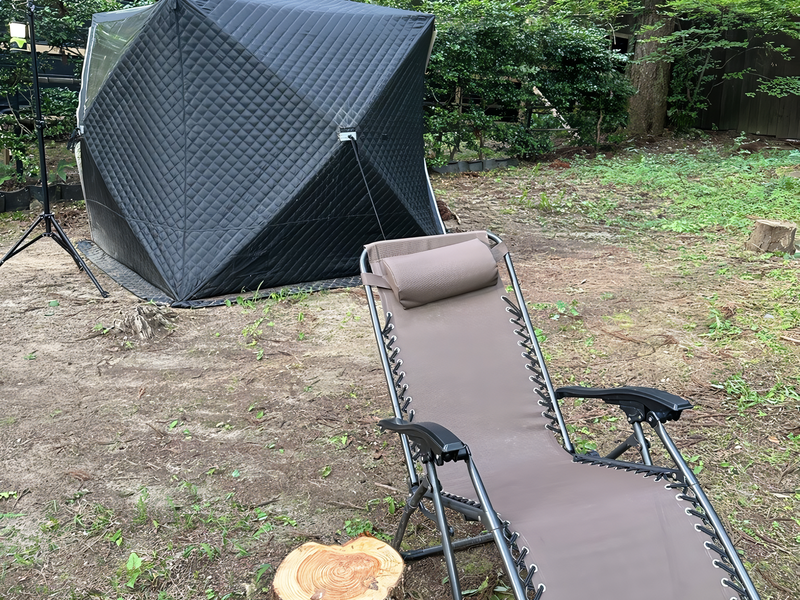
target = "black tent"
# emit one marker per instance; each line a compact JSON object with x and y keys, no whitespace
{"x":229,"y":145}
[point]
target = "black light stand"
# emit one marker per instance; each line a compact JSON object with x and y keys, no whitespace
{"x":51,"y":227}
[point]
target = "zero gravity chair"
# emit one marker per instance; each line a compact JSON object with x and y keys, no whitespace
{"x":568,"y":526}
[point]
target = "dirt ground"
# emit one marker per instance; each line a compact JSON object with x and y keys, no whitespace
{"x":236,"y":433}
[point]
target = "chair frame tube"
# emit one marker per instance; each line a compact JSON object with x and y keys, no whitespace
{"x":562,"y":426}
{"x":496,"y":529}
{"x":645,"y":452}
{"x":703,"y":500}
{"x":387,"y":371}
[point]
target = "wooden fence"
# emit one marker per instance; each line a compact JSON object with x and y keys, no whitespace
{"x":732,"y":109}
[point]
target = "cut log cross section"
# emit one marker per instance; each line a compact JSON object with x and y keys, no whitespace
{"x":362,"y":569}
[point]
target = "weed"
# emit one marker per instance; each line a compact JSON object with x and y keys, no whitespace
{"x":339,"y":440}
{"x":695,"y":462}
{"x":11,"y":515}
{"x":392,"y":505}
{"x":720,"y":326}
{"x":697,"y":192}
{"x":745,"y":397}
{"x":580,"y":437}
{"x":141,"y":507}
{"x":115,"y":537}
{"x":133,"y":569}
{"x":357,"y":527}
{"x":349,"y":316}
{"x":252,"y":330}
{"x":564,"y":309}
{"x":62,"y":167}
{"x":261,"y":571}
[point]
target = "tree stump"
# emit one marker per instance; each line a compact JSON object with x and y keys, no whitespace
{"x":772,"y":236}
{"x":364,"y":568}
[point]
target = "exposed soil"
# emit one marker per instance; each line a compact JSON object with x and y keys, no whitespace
{"x":221,"y":443}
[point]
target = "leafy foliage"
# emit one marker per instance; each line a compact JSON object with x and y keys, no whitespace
{"x":62,"y":26}
{"x":583,"y":77}
{"x":708,"y":36}
{"x":482,"y":64}
{"x":493,"y":65}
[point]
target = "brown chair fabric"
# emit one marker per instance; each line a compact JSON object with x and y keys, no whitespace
{"x":439,"y":273}
{"x":593,"y":532}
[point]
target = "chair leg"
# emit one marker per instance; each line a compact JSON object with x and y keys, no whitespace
{"x":447,"y":547}
{"x":637,"y":429}
{"x":411,"y":506}
{"x":631,"y":442}
{"x":493,"y":524}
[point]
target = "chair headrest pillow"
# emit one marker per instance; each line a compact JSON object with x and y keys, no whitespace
{"x":431,"y":275}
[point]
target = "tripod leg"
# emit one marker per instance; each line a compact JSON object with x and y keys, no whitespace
{"x":59,"y":240}
{"x":18,"y":247}
{"x":64,"y":242}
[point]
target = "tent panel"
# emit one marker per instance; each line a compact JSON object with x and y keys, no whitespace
{"x":247,"y":129}
{"x":336,"y":52}
{"x":392,"y":138}
{"x":109,"y":37}
{"x":208,"y":150}
{"x":109,"y":227}
{"x":136,"y":131}
{"x":321,"y":233}
{"x":251,"y":143}
{"x":297,"y":253}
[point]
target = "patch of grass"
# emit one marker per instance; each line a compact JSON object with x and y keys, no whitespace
{"x":744,"y":397}
{"x":697,"y":191}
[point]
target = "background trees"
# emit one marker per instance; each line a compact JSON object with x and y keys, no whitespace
{"x":61,"y":25}
{"x":682,"y":49}
{"x":508,"y":71}
{"x":512,"y":72}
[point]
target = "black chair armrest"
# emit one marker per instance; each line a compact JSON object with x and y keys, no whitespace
{"x":636,"y":402}
{"x":441,"y":444}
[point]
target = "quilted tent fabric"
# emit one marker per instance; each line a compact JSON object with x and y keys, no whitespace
{"x":211,"y":157}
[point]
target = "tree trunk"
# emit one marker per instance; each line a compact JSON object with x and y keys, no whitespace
{"x":364,"y":568}
{"x":647,"y":109}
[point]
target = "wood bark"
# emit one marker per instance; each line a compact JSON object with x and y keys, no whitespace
{"x":364,"y":568}
{"x":772,"y":236}
{"x":647,"y":108}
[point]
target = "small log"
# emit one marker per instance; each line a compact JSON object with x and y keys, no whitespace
{"x":772,"y":236}
{"x":364,"y":568}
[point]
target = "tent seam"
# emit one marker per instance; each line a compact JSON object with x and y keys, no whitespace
{"x":185,"y":140}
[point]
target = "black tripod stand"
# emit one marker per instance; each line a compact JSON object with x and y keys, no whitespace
{"x":51,"y":227}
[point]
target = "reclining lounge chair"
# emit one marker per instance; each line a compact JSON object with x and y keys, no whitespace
{"x":481,"y":438}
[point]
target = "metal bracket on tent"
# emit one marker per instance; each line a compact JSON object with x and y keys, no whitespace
{"x":347,"y":135}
